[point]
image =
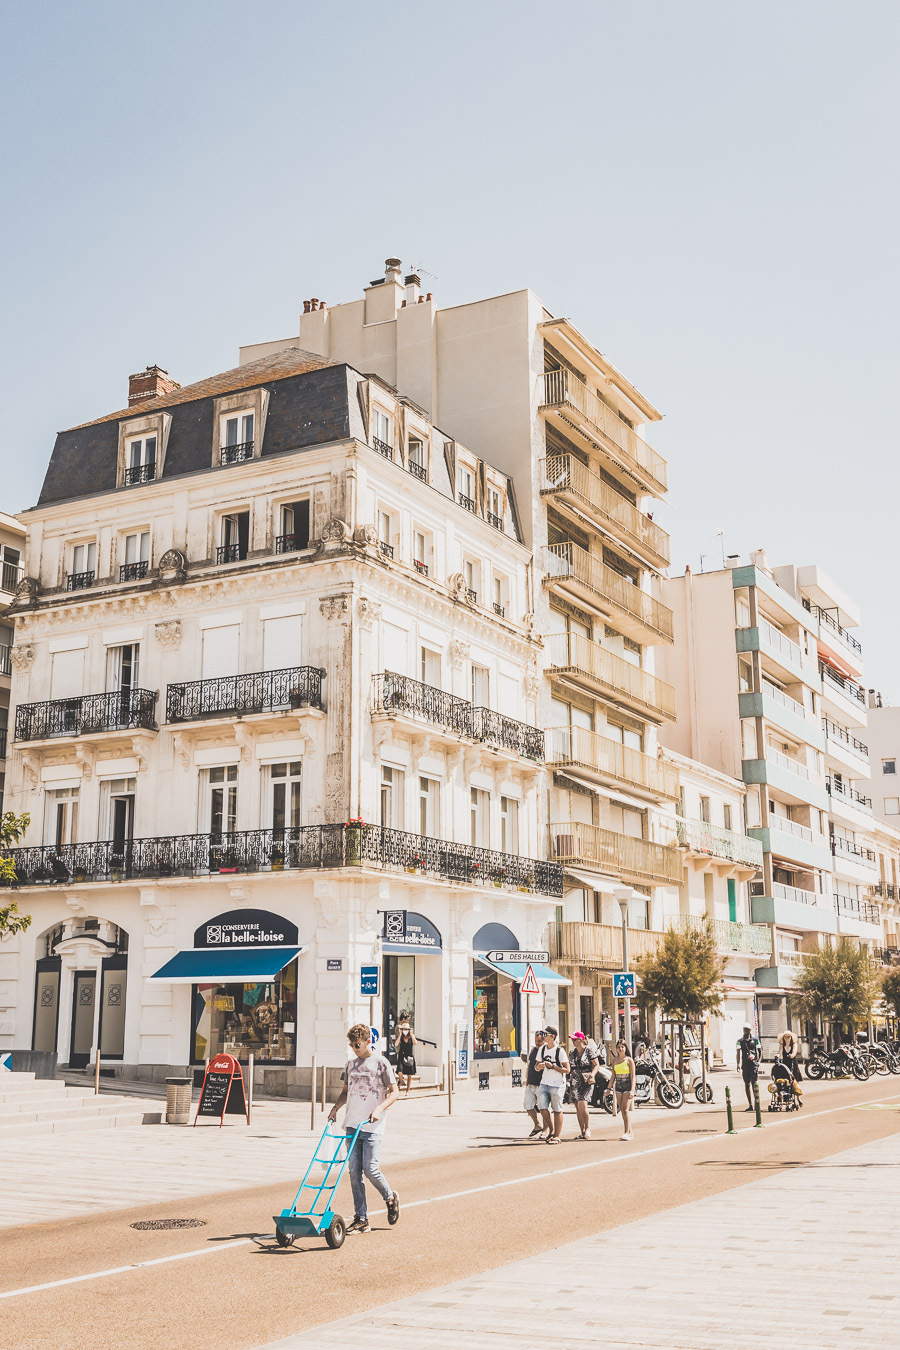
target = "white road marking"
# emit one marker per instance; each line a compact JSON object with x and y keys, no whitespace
{"x":453,"y":1195}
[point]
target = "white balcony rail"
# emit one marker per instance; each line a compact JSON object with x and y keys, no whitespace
{"x":578,"y":747}
{"x":719,"y":843}
{"x":571,"y":651}
{"x":772,"y":691}
{"x":565,"y":473}
{"x":780,"y":641}
{"x":558,"y":388}
{"x":755,"y":938}
{"x":793,"y":827}
{"x":785,"y":762}
{"x":781,"y":891}
{"x":569,"y":561}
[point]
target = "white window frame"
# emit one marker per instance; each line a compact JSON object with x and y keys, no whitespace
{"x":465,"y":482}
{"x":239,"y":417}
{"x":392,"y":790}
{"x":221,"y":779}
{"x":479,"y":817}
{"x":291,"y":781}
{"x":66,"y":798}
{"x":429,"y":817}
{"x":510,"y":812}
{"x":382,"y":427}
{"x":88,"y":545}
{"x":429,"y":657}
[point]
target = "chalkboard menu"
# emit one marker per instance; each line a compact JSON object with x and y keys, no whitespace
{"x":223,"y":1090}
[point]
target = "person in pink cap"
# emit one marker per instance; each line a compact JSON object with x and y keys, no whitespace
{"x":583,"y":1065}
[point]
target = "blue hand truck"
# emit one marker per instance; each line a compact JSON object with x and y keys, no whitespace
{"x":315,"y":1215}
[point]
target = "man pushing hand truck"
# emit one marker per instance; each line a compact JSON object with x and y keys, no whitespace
{"x":369,"y":1089}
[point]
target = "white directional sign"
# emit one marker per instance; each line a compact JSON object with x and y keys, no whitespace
{"x":529,"y":958}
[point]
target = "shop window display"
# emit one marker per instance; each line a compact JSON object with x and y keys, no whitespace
{"x":244,"y":1019}
{"x":495,"y":1012}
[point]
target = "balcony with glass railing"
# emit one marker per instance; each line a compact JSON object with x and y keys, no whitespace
{"x":786,"y":762}
{"x":782,"y":891}
{"x":566,"y":479}
{"x":605,"y":760}
{"x":699,"y":837}
{"x":563,"y":394}
{"x":570,"y":568}
{"x":607,"y":851}
{"x":599,"y":670}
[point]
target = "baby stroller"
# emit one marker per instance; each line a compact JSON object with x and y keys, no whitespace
{"x":784,"y":1093}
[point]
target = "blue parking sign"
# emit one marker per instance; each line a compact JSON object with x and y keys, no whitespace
{"x":624,"y":984}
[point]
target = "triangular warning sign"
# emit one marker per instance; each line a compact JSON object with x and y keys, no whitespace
{"x":529,"y":984}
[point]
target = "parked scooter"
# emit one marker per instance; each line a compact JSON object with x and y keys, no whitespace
{"x":695,"y":1074}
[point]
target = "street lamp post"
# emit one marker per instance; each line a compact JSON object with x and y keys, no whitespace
{"x":623,"y":894}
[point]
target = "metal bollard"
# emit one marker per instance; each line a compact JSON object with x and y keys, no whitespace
{"x":731,"y":1129}
{"x":312,"y":1096}
{"x":449,"y":1083}
{"x":759,"y":1124}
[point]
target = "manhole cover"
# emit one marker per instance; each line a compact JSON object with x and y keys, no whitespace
{"x":169,"y":1223}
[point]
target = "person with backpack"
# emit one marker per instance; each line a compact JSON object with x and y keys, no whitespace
{"x":553,"y":1063}
{"x":749,"y":1054}
{"x":532,"y":1083}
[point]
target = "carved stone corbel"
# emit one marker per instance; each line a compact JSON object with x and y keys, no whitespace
{"x":456,"y":585}
{"x":149,"y":901}
{"x":27,"y":592}
{"x":182,"y":747}
{"x":168,"y":634}
{"x":459,"y":653}
{"x":75,"y":903}
{"x":32,"y":766}
{"x":328,"y":904}
{"x":335,"y":537}
{"x":85,"y":758}
{"x":335,"y":608}
{"x":244,"y":738}
{"x":22,"y":655}
{"x":369,"y":612}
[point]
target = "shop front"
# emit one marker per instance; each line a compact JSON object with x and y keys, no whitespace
{"x":243,"y":972}
{"x":411,"y":976}
{"x":502,"y":1016}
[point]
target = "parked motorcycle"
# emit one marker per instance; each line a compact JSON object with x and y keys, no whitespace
{"x":650,"y":1083}
{"x":841,"y":1063}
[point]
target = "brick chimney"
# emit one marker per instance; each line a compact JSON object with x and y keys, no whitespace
{"x":149,"y":383}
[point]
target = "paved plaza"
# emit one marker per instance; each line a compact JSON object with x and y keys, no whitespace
{"x":803,"y":1258}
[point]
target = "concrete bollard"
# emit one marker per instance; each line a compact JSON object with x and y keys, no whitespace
{"x":728,"y":1108}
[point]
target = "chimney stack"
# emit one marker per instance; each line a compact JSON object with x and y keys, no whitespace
{"x":412,"y":282}
{"x":149,"y":383}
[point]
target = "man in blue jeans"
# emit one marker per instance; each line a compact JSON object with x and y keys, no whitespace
{"x":369,"y":1089}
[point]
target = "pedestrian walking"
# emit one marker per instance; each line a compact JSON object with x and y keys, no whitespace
{"x":583,"y":1064}
{"x":554,"y":1065}
{"x":370,"y":1088}
{"x":532,"y":1083}
{"x":624,"y":1074}
{"x":749,"y":1054}
{"x":789,"y":1049}
{"x":405,"y":1045}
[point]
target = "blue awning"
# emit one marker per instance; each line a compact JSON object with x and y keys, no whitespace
{"x":226,"y":965}
{"x":517,"y":970}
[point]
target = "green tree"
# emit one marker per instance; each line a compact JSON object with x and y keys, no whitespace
{"x":682,"y":977}
{"x":12,"y":827}
{"x":890,"y":990}
{"x":838,"y":984}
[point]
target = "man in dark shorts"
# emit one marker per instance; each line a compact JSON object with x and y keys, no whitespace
{"x":749,"y":1053}
{"x":583,"y":1064}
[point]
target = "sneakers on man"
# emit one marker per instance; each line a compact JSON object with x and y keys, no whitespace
{"x":359,"y":1225}
{"x":393,"y":1208}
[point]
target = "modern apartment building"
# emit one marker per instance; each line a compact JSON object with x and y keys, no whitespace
{"x":532,"y":395}
{"x":883,"y":732}
{"x":276,"y":719}
{"x":12,"y":551}
{"x":766,"y":674}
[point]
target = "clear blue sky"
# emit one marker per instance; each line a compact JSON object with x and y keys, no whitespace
{"x":708,"y":190}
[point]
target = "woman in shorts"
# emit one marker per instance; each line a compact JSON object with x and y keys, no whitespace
{"x":582,"y":1072}
{"x":623,"y":1082}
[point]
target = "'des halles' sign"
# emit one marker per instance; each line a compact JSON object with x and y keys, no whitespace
{"x":246,"y":928}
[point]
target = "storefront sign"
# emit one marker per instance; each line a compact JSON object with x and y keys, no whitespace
{"x":334,"y":963}
{"x":223,"y":1090}
{"x":416,"y":932}
{"x":394,"y":925}
{"x":246,"y":928}
{"x":530,"y":958}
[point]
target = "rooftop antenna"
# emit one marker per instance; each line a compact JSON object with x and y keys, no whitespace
{"x":419,"y":270}
{"x":720,"y":532}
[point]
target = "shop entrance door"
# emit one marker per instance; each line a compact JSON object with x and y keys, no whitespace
{"x":46,"y":1004}
{"x":399,"y":994}
{"x":83,"y":1000}
{"x":587,"y":1014}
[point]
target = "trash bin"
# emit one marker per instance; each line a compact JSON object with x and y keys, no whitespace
{"x":178,"y":1101}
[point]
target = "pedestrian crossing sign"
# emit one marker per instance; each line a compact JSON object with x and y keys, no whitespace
{"x":530,"y":984}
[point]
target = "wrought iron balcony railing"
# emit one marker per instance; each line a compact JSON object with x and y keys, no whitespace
{"x":140,"y":473}
{"x":497,"y":729}
{"x":418,"y":470}
{"x":471,"y":596}
{"x":849,"y":688}
{"x":560,"y":389}
{"x":228,"y":553}
{"x":569,"y":562}
{"x":421,"y":568}
{"x":387,"y":550}
{"x":79,"y":581}
{"x":834,"y":787}
{"x":10,"y":576}
{"x":133,"y":571}
{"x":887,"y":889}
{"x":290,"y":543}
{"x":393,"y":693}
{"x":719,"y":843}
{"x":580,"y":658}
{"x":857,"y":909}
{"x":842,"y":735}
{"x":565,"y":476}
{"x":238,"y":695}
{"x":236,"y":454}
{"x":382,"y":447}
{"x":467,"y":502}
{"x":128,"y":710}
{"x":496,"y":521}
{"x":307,"y":846}
{"x":499,"y":610}
{"x":849,"y":848}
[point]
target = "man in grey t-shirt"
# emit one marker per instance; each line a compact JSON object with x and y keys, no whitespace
{"x":369,"y":1089}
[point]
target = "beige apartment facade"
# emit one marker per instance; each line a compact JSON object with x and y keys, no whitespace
{"x":12,"y":554}
{"x":529,"y":392}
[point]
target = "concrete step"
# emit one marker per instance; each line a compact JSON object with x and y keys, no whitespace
{"x":80,"y":1123}
{"x":80,"y":1106}
{"x":40,"y":1091}
{"x":58,"y":1101}
{"x":13,"y":1075}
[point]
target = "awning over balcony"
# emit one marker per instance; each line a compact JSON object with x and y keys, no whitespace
{"x":592,"y":881}
{"x":517,"y":970}
{"x":226,"y":965}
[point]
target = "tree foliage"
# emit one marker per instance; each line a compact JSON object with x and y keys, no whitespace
{"x":682,"y":977}
{"x":890,"y":990}
{"x":12,"y":827}
{"x":838,"y":984}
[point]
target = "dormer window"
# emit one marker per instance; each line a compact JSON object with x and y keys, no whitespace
{"x":466,"y":489}
{"x":495,"y":508}
{"x":237,"y":437}
{"x":381,"y":434}
{"x":140,"y":460}
{"x":416,"y":459}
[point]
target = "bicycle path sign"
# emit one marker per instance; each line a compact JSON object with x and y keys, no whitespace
{"x":624,"y":984}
